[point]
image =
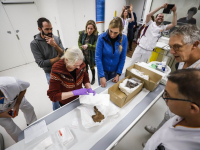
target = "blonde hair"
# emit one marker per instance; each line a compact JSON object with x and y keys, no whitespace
{"x":91,"y":22}
{"x":73,"y":54}
{"x":117,"y":23}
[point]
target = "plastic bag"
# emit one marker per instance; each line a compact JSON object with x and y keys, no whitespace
{"x":44,"y":144}
{"x":140,"y":74}
{"x":98,"y":99}
{"x":87,"y":111}
{"x":64,"y":136}
{"x":103,"y":104}
{"x":127,"y":90}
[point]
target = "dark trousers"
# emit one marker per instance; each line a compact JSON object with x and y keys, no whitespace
{"x":130,"y":36}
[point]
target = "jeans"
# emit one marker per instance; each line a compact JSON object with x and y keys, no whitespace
{"x":56,"y":105}
{"x":108,"y":76}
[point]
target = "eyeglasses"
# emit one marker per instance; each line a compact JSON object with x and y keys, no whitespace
{"x":165,"y":96}
{"x":176,"y":47}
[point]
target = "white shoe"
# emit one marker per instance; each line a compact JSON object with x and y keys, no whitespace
{"x":150,"y":129}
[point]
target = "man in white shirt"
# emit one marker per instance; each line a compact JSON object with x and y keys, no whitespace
{"x":12,"y":98}
{"x":185,"y":47}
{"x":182,"y":132}
{"x":150,"y":35}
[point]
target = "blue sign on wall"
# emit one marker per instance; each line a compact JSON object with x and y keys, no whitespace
{"x":100,"y":11}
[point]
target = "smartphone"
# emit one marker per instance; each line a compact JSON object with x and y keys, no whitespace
{"x":12,"y":113}
{"x":168,"y":9}
{"x":127,"y":7}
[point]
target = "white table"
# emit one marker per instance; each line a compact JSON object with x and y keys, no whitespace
{"x":97,"y":138}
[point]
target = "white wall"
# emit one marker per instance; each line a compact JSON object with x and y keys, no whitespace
{"x":69,"y":17}
{"x":147,"y":9}
{"x":110,"y":7}
{"x":74,"y":14}
{"x":100,"y":28}
{"x":137,"y":8}
{"x":49,"y":10}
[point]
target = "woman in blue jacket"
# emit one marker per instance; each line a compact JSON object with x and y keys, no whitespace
{"x":111,"y":52}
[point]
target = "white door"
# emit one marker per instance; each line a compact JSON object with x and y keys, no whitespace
{"x":10,"y":51}
{"x":23,"y":18}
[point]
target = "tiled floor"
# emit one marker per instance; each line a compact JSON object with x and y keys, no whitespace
{"x":129,"y":52}
{"x":37,"y":96}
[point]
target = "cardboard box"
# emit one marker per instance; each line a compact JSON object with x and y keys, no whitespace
{"x":120,"y":98}
{"x":154,"y":78}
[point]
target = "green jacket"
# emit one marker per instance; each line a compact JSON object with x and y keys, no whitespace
{"x":91,"y":45}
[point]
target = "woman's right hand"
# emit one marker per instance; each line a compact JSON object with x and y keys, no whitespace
{"x":103,"y":82}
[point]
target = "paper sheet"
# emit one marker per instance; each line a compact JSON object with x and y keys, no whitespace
{"x":98,"y":99}
{"x":35,"y":131}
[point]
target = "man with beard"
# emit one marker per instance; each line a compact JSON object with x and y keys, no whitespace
{"x":151,"y":33}
{"x":47,"y":49}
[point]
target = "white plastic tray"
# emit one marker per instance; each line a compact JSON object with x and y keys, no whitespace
{"x":64,"y":136}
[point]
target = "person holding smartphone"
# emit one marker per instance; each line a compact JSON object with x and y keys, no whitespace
{"x":125,"y":18}
{"x":12,"y":99}
{"x":151,"y":34}
{"x":47,"y":49}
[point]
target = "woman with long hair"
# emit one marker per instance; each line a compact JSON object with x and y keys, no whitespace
{"x":125,"y":18}
{"x":111,"y":52}
{"x":87,"y":43}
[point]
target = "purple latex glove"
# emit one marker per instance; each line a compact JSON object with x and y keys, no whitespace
{"x":82,"y":91}
{"x":91,"y":91}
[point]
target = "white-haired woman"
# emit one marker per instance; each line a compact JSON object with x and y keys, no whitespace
{"x":67,"y":77}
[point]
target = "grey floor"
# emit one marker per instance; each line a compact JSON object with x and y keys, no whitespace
{"x":37,"y":95}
